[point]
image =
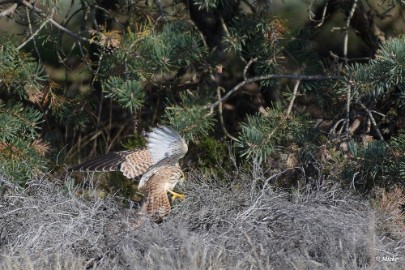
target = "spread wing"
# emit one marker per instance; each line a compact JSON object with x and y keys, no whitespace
{"x":164,"y":147}
{"x":131,"y":163}
{"x":164,"y":142}
{"x":136,"y":164}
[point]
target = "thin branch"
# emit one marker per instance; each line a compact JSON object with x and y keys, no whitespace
{"x":232,"y":157}
{"x":352,"y":185}
{"x":9,"y":10}
{"x":325,"y":8}
{"x":221,"y":118}
{"x":311,"y":14}
{"x":264,"y":189}
{"x":70,"y":33}
{"x":345,"y":48}
{"x":199,"y":33}
{"x":56,"y":24}
{"x":348,"y":100}
{"x":100,"y":61}
{"x":251,"y":61}
{"x":333,"y":129}
{"x":224,"y":26}
{"x":373,"y":122}
{"x":346,"y":39}
{"x":274,"y":76}
{"x":380,"y":114}
{"x":33,"y":35}
{"x":295,"y":92}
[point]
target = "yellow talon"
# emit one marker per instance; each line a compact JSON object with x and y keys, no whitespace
{"x":176,"y":195}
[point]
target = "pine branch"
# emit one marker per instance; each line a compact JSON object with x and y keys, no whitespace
{"x":295,"y":93}
{"x":273,"y":76}
{"x":54,"y":23}
{"x":372,"y":121}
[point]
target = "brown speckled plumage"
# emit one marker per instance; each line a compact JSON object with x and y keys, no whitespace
{"x":132,"y":163}
{"x":156,"y":202}
{"x":157,"y":164}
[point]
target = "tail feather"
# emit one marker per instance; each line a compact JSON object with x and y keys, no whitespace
{"x":106,"y":163}
{"x":156,"y":205}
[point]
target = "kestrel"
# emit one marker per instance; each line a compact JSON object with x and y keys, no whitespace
{"x":158,"y":164}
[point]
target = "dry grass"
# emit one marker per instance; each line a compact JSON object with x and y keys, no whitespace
{"x":218,"y":226}
{"x":390,"y":205}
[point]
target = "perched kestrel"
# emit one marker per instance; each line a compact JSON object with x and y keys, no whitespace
{"x":158,"y":164}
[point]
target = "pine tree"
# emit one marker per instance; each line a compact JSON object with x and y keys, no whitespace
{"x":91,"y":82}
{"x":22,"y":150}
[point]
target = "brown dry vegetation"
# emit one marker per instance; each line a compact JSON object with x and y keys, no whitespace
{"x":218,"y":226}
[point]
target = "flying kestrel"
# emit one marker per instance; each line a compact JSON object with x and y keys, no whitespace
{"x":158,"y":164}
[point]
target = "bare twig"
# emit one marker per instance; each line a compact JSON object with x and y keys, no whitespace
{"x":99,"y":62}
{"x":380,"y":114}
{"x":70,"y":33}
{"x":116,"y":138}
{"x":32,"y":35}
{"x":348,"y":100}
{"x":352,"y":185}
{"x":311,"y":14}
{"x":251,"y":61}
{"x":221,"y":117}
{"x":273,"y":76}
{"x":224,"y":26}
{"x":232,"y":157}
{"x":199,"y":33}
{"x":346,"y":39}
{"x":295,"y":92}
{"x":265,"y":189}
{"x":373,"y":122}
{"x":54,"y":23}
{"x":333,"y":129}
{"x":9,"y":10}
{"x":345,"y":48}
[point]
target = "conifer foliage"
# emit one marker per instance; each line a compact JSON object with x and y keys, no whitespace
{"x":87,"y":77}
{"x":21,"y":149}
